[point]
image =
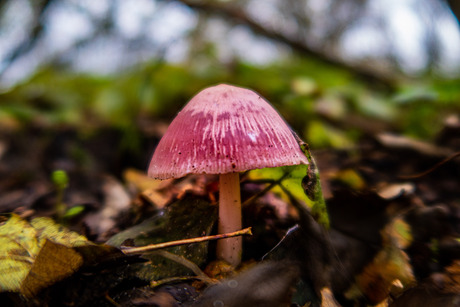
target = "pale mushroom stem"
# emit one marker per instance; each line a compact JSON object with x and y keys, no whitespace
{"x":229,"y":218}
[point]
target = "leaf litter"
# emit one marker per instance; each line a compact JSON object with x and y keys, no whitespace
{"x":393,"y":241}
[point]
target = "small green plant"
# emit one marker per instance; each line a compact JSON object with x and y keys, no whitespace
{"x":60,"y":181}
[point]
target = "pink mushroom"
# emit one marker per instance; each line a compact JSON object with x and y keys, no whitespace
{"x":225,"y":130}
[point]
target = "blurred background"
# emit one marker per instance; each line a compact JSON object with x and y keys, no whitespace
{"x":336,"y":70}
{"x":88,"y":87}
{"x":106,"y":37}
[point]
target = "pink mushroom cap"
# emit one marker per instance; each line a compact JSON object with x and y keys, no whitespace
{"x":225,"y":129}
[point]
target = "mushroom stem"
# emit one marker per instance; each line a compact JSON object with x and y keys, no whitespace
{"x":229,"y":218}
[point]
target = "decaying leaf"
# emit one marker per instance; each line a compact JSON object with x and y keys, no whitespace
{"x":441,"y":289}
{"x":141,"y":182}
{"x":267,"y":284}
{"x":310,"y":249}
{"x":19,"y":247}
{"x":36,"y":254}
{"x":327,"y":298}
{"x":187,"y":218}
{"x":390,"y":264}
{"x":116,"y":202}
{"x":147,"y":187}
{"x":53,"y":263}
{"x":391,"y":191}
{"x":159,"y":193}
{"x":46,"y":228}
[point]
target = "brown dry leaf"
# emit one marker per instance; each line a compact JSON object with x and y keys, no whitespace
{"x":395,"y":190}
{"x":267,"y":284}
{"x":139,"y":180}
{"x":382,"y":304}
{"x":53,"y":263}
{"x":161,"y":192}
{"x":390,"y":264}
{"x":156,"y":198}
{"x":116,"y":202}
{"x":451,"y":280}
{"x":327,"y":298}
{"x":441,"y":289}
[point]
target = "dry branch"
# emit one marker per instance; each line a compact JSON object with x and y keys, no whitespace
{"x":239,"y":16}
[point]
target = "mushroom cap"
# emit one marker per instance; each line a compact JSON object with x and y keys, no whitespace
{"x":225,"y":129}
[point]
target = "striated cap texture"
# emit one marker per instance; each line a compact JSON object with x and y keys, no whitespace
{"x":225,"y":129}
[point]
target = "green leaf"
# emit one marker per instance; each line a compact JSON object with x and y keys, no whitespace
{"x":321,"y":135}
{"x":292,"y":182}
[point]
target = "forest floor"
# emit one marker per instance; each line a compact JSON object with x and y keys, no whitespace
{"x":394,"y":206}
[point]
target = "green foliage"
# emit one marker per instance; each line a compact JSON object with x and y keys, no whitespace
{"x":60,"y":179}
{"x":322,"y":135}
{"x":423,"y":107}
{"x":299,"y":185}
{"x":73,"y":212}
{"x":290,"y":183}
{"x":319,"y":101}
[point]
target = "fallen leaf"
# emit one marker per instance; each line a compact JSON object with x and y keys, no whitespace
{"x":440,"y":289}
{"x":116,"y":202}
{"x":186,"y":218}
{"x":53,"y":263}
{"x":37,"y":254}
{"x":390,"y":264}
{"x":142,"y":182}
{"x":18,"y":249}
{"x":267,"y":284}
{"x":327,"y":298}
{"x":350,"y":178}
{"x":392,"y":191}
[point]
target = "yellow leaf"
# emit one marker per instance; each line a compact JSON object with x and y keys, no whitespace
{"x":141,"y":181}
{"x":18,"y":249}
{"x":46,"y":228}
{"x":37,"y":254}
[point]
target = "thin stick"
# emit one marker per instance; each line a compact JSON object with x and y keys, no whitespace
{"x":157,"y":283}
{"x":436,"y":166}
{"x":152,"y":247}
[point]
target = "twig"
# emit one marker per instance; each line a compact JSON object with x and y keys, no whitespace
{"x":175,"y":279}
{"x":402,"y":142}
{"x":153,"y":247}
{"x":33,"y":37}
{"x":111,"y":300}
{"x":239,"y":16}
{"x":436,"y":166}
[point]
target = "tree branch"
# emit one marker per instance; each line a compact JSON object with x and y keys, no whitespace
{"x":239,"y":16}
{"x":32,"y":39}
